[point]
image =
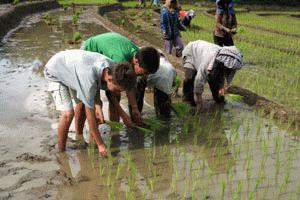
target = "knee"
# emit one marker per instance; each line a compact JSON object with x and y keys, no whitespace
{"x":67,"y":115}
{"x":189,"y":75}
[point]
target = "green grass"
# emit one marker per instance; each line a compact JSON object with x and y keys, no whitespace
{"x":69,"y":2}
{"x":273,"y":57}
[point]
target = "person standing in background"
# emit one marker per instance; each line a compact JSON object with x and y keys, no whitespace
{"x":170,"y":27}
{"x":226,"y":23}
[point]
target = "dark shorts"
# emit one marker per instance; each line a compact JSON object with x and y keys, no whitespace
{"x":215,"y":80}
{"x":224,"y":41}
{"x":162,"y":101}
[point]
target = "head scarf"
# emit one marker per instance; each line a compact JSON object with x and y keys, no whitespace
{"x":221,"y":7}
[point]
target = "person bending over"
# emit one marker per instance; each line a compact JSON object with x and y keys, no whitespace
{"x":204,"y":61}
{"x":79,"y":75}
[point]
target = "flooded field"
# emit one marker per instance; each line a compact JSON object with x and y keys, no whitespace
{"x":226,"y":152}
{"x":27,"y":167}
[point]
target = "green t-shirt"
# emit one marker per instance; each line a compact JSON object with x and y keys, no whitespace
{"x":113,"y":45}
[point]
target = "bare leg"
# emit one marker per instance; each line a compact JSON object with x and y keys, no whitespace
{"x":63,"y":128}
{"x":80,"y":118}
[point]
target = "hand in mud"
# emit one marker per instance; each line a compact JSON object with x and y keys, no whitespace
{"x":136,"y":116}
{"x":198,"y":108}
{"x":102,"y":150}
{"x":222,"y":92}
{"x":127,"y":121}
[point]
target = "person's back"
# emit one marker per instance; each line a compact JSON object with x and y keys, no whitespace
{"x":113,"y":45}
{"x":80,"y":70}
{"x":200,"y":54}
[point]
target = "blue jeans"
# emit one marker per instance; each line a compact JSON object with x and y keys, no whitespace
{"x":178,"y":45}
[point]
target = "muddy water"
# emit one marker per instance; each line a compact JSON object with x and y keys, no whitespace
{"x":27,"y":167}
{"x":228,"y":152}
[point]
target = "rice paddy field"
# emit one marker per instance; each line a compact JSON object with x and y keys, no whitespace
{"x":230,"y":151}
{"x":270,"y":45}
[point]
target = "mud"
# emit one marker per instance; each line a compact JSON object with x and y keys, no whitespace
{"x":28,"y":161}
{"x":11,"y":17}
{"x":280,"y":112}
{"x":31,"y":167}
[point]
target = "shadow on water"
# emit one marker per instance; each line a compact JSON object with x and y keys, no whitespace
{"x":227,"y":152}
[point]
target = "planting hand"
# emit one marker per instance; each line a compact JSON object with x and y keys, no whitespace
{"x":136,"y":116}
{"x":222,"y":92}
{"x":233,"y":31}
{"x":102,"y":150}
{"x":99,"y":114}
{"x":127,"y":121}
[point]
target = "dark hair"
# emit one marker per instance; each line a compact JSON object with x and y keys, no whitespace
{"x":148,"y":58}
{"x":123,"y":75}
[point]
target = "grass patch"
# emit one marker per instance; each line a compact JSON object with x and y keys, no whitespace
{"x":70,"y":2}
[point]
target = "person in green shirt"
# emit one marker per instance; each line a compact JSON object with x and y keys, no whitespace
{"x":119,"y":48}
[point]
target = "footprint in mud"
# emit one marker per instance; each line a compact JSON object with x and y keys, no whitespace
{"x":32,"y":158}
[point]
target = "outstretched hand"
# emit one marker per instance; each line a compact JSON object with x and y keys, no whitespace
{"x":102,"y":150}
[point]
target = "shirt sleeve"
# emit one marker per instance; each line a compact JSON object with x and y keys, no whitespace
{"x":86,"y":88}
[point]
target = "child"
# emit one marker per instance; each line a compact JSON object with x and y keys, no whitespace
{"x":162,"y":82}
{"x":204,"y":61}
{"x":119,"y":48}
{"x":170,"y":26}
{"x":79,"y":75}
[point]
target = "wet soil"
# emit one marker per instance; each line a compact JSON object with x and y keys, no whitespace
{"x":28,"y":161}
{"x":147,"y":30}
{"x":179,"y":161}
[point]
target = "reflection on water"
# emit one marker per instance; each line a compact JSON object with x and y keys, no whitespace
{"x":25,"y":51}
{"x":226,"y":153}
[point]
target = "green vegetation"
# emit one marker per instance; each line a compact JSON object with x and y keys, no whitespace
{"x":76,"y":37}
{"x":78,"y":2}
{"x":15,"y":2}
{"x":271,"y":53}
{"x":48,"y":19}
{"x":181,"y":109}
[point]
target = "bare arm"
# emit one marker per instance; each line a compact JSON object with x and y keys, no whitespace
{"x":91,"y":118}
{"x":134,"y":108}
{"x":98,"y":108}
{"x":199,"y":102}
{"x":122,"y":113}
{"x":219,"y":24}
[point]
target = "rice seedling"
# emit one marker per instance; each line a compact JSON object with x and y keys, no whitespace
{"x":251,"y":195}
{"x":237,"y":194}
{"x":234,"y":97}
{"x":119,"y":168}
{"x":101,"y":169}
{"x":115,"y":126}
{"x":181,"y":109}
{"x":298,"y":190}
{"x":76,"y":37}
{"x":144,"y":130}
{"x":153,"y":123}
{"x":223,"y":187}
{"x":177,"y":85}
